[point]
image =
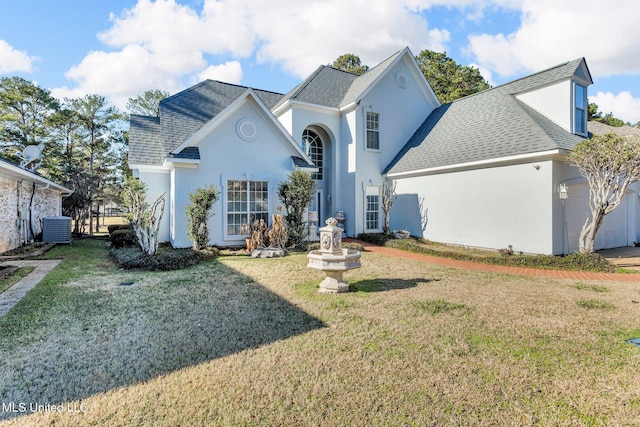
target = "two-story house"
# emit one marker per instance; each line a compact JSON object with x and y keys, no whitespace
{"x":481,"y":171}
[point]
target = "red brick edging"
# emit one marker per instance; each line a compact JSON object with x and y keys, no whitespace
{"x":521,"y":271}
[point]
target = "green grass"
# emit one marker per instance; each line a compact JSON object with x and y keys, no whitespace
{"x":437,"y":306}
{"x":8,"y":281}
{"x":592,"y":288}
{"x":595,"y":304}
{"x":242,"y":341}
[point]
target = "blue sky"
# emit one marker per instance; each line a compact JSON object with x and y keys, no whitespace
{"x":120,"y":48}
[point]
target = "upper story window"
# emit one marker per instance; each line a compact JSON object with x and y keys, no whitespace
{"x":580,"y":114}
{"x":312,"y":145}
{"x":373,"y":130}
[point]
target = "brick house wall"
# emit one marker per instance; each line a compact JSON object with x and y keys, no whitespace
{"x":15,"y":196}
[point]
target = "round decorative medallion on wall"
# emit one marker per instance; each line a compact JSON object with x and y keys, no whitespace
{"x":246,"y":130}
{"x":401,"y":79}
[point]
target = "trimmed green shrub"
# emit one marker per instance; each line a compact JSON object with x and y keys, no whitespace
{"x":113,"y":227}
{"x":198,"y":211}
{"x":375,"y":238}
{"x":123,"y":238}
{"x":296,"y":194}
{"x":166,"y":258}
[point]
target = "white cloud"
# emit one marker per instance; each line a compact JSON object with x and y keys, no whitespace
{"x":623,"y":105}
{"x":163,"y":45}
{"x":229,"y":72}
{"x":554,"y":31}
{"x":305,"y":37}
{"x":13,"y":60}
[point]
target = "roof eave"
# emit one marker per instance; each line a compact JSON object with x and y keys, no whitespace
{"x":17,"y":172}
{"x":555,"y":154}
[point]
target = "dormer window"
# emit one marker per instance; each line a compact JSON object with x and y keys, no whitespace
{"x":580,"y":111}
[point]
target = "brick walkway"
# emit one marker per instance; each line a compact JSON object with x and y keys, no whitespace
{"x":522,"y":271}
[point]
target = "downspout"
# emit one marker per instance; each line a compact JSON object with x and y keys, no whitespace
{"x":18,"y":214}
{"x":33,"y":195}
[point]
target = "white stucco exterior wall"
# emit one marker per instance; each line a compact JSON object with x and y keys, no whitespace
{"x":401,"y":111}
{"x":554,"y":101}
{"x":224,"y":155}
{"x":489,"y":208}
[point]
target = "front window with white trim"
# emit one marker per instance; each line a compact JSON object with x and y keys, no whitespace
{"x":247,"y":201}
{"x":372,"y":209}
{"x":580,"y":115}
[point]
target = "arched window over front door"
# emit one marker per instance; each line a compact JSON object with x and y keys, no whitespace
{"x":312,"y":145}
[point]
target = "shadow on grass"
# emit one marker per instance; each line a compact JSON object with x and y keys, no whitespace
{"x":103,"y":336}
{"x":380,"y":285}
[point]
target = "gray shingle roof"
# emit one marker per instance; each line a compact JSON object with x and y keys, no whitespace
{"x":326,"y":86}
{"x":330,"y":87}
{"x":598,"y":128}
{"x":548,"y":76}
{"x":189,"y":153}
{"x":487,"y":125}
{"x":182,"y":115}
{"x":144,"y":141}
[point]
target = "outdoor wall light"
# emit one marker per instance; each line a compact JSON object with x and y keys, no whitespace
{"x":562,"y":190}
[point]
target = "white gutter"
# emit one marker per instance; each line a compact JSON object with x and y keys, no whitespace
{"x":479,"y":164}
{"x":18,"y":172}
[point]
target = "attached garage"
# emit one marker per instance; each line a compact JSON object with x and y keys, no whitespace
{"x":618,"y":228}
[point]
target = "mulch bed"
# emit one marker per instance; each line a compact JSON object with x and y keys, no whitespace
{"x":26,"y":252}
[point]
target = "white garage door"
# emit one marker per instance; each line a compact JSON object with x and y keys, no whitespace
{"x":613,"y":232}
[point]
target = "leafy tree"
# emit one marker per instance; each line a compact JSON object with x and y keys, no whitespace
{"x":608,"y":119}
{"x":147,"y":104}
{"x":296,"y":194}
{"x":448,"y":79}
{"x":592,"y":111}
{"x":198,"y":211}
{"x":610,"y":163}
{"x":350,"y":63}
{"x":97,"y":120}
{"x":24,"y":112}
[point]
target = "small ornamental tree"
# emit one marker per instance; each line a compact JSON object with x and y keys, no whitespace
{"x":198,"y":212}
{"x":388,"y":199}
{"x":144,"y":219}
{"x":296,"y":194}
{"x":610,"y":163}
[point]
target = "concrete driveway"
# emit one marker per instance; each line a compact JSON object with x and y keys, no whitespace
{"x":625,"y":257}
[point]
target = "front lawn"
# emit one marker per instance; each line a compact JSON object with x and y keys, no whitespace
{"x":242,"y":341}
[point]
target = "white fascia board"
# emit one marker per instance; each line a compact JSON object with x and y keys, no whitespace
{"x":314,"y":107}
{"x":181,"y":163}
{"x":17,"y":172}
{"x":148,"y":168}
{"x":415,"y":70}
{"x":422,"y":80}
{"x":481,"y":164}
